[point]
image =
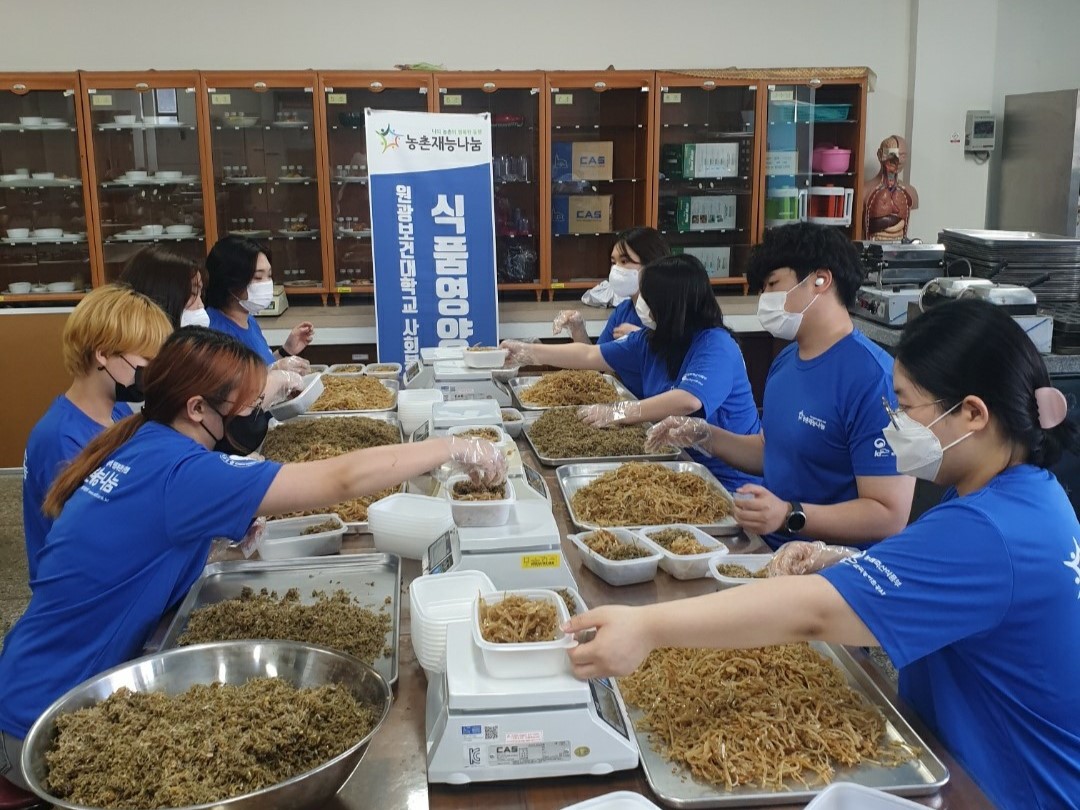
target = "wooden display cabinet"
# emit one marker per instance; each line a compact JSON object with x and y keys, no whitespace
{"x":142,"y":135}
{"x":45,"y":230}
{"x":344,"y":97}
{"x":707,"y":169}
{"x":603,"y":140}
{"x":796,"y":185}
{"x":519,"y":129}
{"x":268,"y":166}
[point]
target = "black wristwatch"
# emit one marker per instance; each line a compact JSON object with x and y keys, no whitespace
{"x":796,"y":519}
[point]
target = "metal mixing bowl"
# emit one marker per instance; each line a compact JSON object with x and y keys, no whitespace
{"x":232,"y":662}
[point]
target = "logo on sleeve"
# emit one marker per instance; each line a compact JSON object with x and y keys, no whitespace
{"x":238,"y":461}
{"x":882,"y":449}
{"x":812,"y":421}
{"x":1074,"y":563}
{"x":691,"y":378}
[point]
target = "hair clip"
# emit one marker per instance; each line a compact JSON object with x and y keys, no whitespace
{"x":1052,"y":407}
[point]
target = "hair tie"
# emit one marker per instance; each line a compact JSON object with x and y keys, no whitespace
{"x":1052,"y":406}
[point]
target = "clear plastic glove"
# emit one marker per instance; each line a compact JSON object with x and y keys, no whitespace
{"x":624,"y":329}
{"x":801,"y":557}
{"x":482,"y":460}
{"x":599,"y":416}
{"x":299,"y":337}
{"x":567,"y":319}
{"x":253,"y":539}
{"x":678,"y":431}
{"x":297,"y":365}
{"x":521,"y":353}
{"x":280,"y":385}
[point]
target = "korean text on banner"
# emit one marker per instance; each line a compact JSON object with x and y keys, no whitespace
{"x":433,"y":231}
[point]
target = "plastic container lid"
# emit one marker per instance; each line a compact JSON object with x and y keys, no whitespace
{"x":526,"y":660}
{"x":312,"y":390}
{"x":752,"y":562}
{"x":284,"y":539}
{"x":619,"y":800}
{"x":619,"y":572}
{"x":848,"y":796}
{"x":476,"y":514}
{"x":684,"y":566}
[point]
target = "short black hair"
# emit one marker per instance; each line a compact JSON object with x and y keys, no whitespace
{"x":679,"y":294}
{"x":806,"y":248}
{"x":164,"y":277}
{"x":973,"y":348}
{"x":648,"y":243}
{"x":231,"y":266}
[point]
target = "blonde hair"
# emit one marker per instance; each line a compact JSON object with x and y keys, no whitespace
{"x":113,"y":320}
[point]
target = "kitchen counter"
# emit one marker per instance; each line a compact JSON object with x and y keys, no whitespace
{"x":393,"y":772}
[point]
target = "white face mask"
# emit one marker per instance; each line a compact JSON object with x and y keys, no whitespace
{"x":194,"y":317}
{"x":776,"y":320}
{"x":918,"y":450}
{"x":260,"y":294}
{"x":643,"y":312}
{"x":623,"y":280}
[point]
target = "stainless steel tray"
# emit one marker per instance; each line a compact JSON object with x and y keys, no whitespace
{"x":519,"y":384}
{"x":393,"y":385}
{"x":369,"y":577}
{"x":356,"y":526}
{"x":924,"y":775}
{"x":573,"y":477}
{"x":547,"y":461}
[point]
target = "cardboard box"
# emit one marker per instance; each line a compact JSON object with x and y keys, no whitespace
{"x":690,"y":161}
{"x":717,"y":260}
{"x":581,"y":213}
{"x":582,"y":160}
{"x":707,"y":213}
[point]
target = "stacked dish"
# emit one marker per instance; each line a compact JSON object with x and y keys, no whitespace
{"x":436,"y":602}
{"x":407,"y":524}
{"x":414,"y":407}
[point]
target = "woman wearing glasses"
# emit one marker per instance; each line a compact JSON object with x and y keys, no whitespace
{"x":977,"y":602}
{"x":137,"y":510}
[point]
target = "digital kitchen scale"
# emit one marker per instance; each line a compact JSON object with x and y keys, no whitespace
{"x":485,"y":729}
{"x":526,"y":552}
{"x":278,"y":304}
{"x":456,"y":380}
{"x":885,"y":305}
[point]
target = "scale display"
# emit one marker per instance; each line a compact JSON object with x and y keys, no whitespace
{"x":440,"y":554}
{"x":412,"y":371}
{"x":536,"y":481}
{"x":607,"y":705}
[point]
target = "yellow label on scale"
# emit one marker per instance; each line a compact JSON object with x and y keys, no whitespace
{"x":532,"y":561}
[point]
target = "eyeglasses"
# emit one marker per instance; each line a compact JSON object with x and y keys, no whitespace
{"x":893,"y":413}
{"x":256,"y":406}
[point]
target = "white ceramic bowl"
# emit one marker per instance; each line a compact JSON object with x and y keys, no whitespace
{"x":18,"y":233}
{"x":44,"y":175}
{"x":618,"y":572}
{"x":135,"y":175}
{"x":39,"y":288}
{"x":22,"y":172}
{"x":124,"y":119}
{"x":530,"y":659}
{"x":47,"y":233}
{"x":153,"y":230}
{"x":31,"y":120}
{"x":20,"y":287}
{"x":179,"y":230}
{"x":62,"y":287}
{"x":478,"y":514}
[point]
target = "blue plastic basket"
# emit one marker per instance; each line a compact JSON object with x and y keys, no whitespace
{"x":831,"y":112}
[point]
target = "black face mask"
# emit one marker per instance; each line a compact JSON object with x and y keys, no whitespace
{"x":133,"y":392}
{"x":243,"y":434}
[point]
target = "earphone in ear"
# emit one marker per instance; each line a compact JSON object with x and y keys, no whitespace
{"x":818,"y":281}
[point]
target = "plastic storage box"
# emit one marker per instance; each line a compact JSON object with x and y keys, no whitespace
{"x":299,"y":404}
{"x":485,"y":358}
{"x":619,"y":572}
{"x":513,"y":426}
{"x":478,"y":514}
{"x":684,"y":566}
{"x":752,"y":562}
{"x":847,"y":796}
{"x":536,"y":659}
{"x":284,"y":539}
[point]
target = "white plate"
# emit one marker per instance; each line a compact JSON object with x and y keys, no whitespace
{"x":68,"y":238}
{"x":296,"y":179}
{"x":355,"y":234}
{"x":250,"y":234}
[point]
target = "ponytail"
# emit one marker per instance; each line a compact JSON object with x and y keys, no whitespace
{"x":1052,"y":443}
{"x":92,"y":456}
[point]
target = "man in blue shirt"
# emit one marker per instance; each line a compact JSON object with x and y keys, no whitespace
{"x":828,"y":472}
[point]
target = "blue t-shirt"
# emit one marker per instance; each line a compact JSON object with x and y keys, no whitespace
{"x":713,"y":371}
{"x":822,"y":421}
{"x":128,"y":545}
{"x":624,"y":313}
{"x":56,"y":439}
{"x":252,"y":337}
{"x":978,"y":603}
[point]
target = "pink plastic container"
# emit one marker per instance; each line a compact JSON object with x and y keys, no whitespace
{"x":831,"y":159}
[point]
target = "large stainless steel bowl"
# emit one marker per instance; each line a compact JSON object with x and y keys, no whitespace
{"x":232,"y":662}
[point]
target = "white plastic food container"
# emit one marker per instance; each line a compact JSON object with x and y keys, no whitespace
{"x":437,"y":601}
{"x":477,"y":514}
{"x":347,"y":368}
{"x":503,"y":439}
{"x":383,"y":371}
{"x":684,"y":566}
{"x":619,"y":800}
{"x":513,"y":427}
{"x":299,"y":404}
{"x":485,"y":358}
{"x":284,"y":539}
{"x":847,"y":796}
{"x":619,"y":572}
{"x":752,"y":562}
{"x":407,"y":524}
{"x":414,"y":407}
{"x":526,"y":660}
